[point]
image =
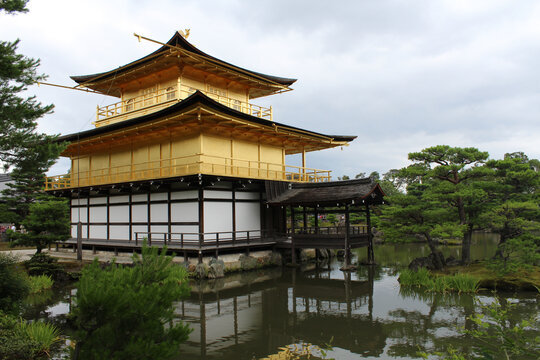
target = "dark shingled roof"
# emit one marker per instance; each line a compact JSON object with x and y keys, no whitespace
{"x":178,"y":40}
{"x":197,"y":97}
{"x":326,"y":193}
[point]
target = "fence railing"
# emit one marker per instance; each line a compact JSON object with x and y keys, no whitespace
{"x":202,"y":240}
{"x":329,"y":230}
{"x":156,"y":99}
{"x":187,"y":165}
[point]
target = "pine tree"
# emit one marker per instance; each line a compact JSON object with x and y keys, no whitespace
{"x":23,"y":150}
{"x":457,"y":175}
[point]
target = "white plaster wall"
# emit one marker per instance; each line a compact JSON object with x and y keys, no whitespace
{"x":139,"y":197}
{"x":139,"y":228}
{"x":217,"y":217}
{"x":185,"y":211}
{"x":139,"y":213}
{"x":119,"y":232}
{"x":159,"y":212}
{"x":75,"y":202}
{"x":98,"y":214}
{"x":158,"y":196}
{"x":248,"y":216}
{"x":217,"y":194}
{"x":119,"y":199}
{"x":159,"y":229}
{"x":98,"y":200}
{"x":119,"y":213}
{"x":98,"y":232}
{"x":191,"y":233}
{"x":75,"y":214}
{"x":247,"y":195}
{"x":190,"y":194}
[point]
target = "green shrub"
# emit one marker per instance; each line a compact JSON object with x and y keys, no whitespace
{"x":43,"y":334}
{"x":43,"y":264}
{"x":40,"y":283}
{"x":126,"y":312}
{"x":12,"y":344}
{"x":14,"y":285}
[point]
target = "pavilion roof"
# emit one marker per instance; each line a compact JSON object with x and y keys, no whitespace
{"x":332,"y":193}
{"x":180,"y":44}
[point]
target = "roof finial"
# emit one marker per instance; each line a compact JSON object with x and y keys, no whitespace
{"x":184,"y":33}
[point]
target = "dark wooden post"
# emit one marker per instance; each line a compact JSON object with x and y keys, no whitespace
{"x":370,"y":254}
{"x":79,"y":241}
{"x":293,"y":250}
{"x":347,"y":255}
{"x":316,"y":214}
{"x":305,"y":218}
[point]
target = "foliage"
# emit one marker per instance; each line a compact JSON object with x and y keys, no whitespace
{"x":14,"y":286}
{"x":516,"y":215}
{"x":497,"y":336}
{"x":28,"y":153}
{"x":45,"y":335}
{"x":456,"y":176}
{"x":40,"y":283}
{"x":44,"y":264}
{"x":460,"y":283}
{"x":127,"y":312}
{"x":13,"y":345}
{"x":516,"y":254}
{"x":47,"y":222}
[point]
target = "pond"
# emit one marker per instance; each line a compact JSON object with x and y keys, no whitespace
{"x":356,"y":315}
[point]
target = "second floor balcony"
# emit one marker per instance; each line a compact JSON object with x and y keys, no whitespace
{"x":162,"y":98}
{"x":187,"y":165}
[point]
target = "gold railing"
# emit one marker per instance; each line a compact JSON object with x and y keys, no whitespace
{"x":187,"y":165}
{"x":156,"y":100}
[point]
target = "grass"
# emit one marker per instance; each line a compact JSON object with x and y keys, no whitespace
{"x":460,"y":283}
{"x":39,"y":283}
{"x":44,"y":334}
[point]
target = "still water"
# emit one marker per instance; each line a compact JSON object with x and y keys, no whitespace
{"x":358,"y":315}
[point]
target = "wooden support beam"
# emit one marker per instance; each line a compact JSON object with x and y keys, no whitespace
{"x":347,"y":255}
{"x":370,"y":253}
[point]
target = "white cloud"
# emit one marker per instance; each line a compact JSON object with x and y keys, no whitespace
{"x":400,"y":75}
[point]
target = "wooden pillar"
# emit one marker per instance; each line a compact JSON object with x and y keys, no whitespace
{"x":79,"y":241}
{"x":304,"y":218}
{"x":316,"y":214}
{"x":370,"y":254}
{"x":347,"y":255}
{"x":293,"y":250}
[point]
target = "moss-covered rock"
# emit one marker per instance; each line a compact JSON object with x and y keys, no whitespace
{"x":247,"y":262}
{"x":523,"y":280}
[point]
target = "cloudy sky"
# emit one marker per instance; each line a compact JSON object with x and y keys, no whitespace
{"x":402,"y":75}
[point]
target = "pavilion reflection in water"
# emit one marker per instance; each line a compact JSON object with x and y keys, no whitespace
{"x":242,"y":318}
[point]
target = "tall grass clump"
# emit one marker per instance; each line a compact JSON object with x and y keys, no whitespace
{"x":45,"y":335}
{"x":463,"y":283}
{"x":423,"y":278}
{"x":40,"y":283}
{"x":419,"y":278}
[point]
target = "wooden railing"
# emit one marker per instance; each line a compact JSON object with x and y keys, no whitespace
{"x":158,"y":99}
{"x":329,"y":230}
{"x":188,"y":165}
{"x":202,"y":240}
